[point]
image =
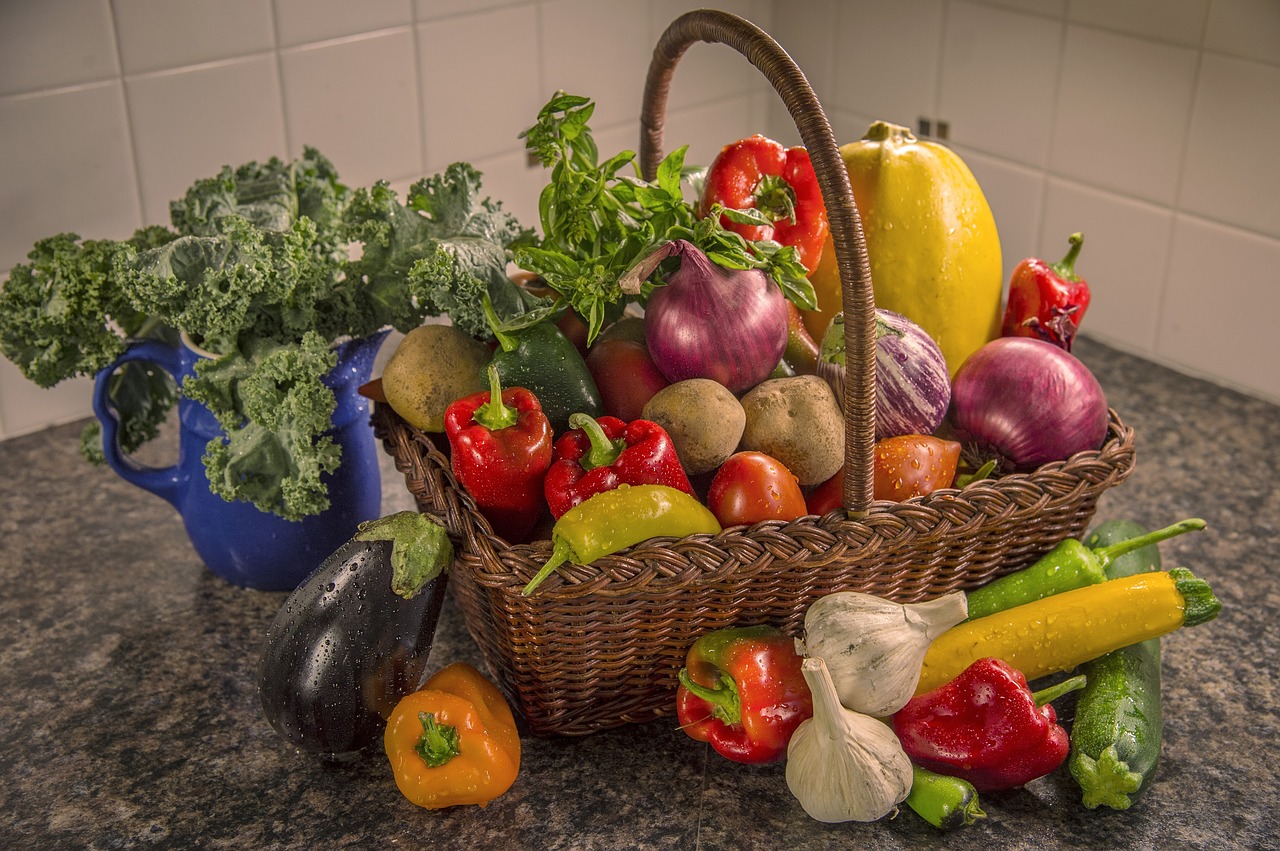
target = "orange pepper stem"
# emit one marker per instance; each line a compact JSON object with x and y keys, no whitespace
{"x":439,"y":742}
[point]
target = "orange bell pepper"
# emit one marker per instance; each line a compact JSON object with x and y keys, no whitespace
{"x":454,"y":741}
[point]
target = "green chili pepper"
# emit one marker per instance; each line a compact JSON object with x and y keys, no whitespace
{"x":944,"y":801}
{"x":541,"y":359}
{"x":1067,"y":566}
{"x":616,"y":519}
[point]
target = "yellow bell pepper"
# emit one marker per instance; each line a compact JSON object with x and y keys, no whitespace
{"x":931,"y":242}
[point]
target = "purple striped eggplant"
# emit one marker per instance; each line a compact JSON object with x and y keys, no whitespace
{"x":913,"y":385}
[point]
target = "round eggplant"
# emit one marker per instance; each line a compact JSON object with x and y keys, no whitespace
{"x":353,"y":638}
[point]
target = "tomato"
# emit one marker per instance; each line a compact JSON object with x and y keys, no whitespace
{"x":905,"y":466}
{"x":913,"y":465}
{"x":625,"y":375}
{"x":827,"y":496}
{"x":750,"y":487}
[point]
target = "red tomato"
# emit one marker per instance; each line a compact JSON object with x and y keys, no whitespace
{"x":913,"y":465}
{"x":827,"y":496}
{"x":905,"y":466}
{"x":625,"y":375}
{"x":750,"y":487}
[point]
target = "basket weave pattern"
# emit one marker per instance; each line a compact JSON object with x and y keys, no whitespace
{"x":600,"y":645}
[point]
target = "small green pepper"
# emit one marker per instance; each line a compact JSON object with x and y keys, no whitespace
{"x":944,"y":801}
{"x":615,"y":519}
{"x":1067,"y":566}
{"x":541,"y":359}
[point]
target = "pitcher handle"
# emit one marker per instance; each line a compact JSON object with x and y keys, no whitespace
{"x":164,"y":482}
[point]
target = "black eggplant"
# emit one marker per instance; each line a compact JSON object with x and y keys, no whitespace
{"x":353,"y":638}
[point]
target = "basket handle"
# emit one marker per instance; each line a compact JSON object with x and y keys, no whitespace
{"x":765,"y":54}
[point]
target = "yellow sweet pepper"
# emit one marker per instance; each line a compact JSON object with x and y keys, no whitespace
{"x":931,"y":242}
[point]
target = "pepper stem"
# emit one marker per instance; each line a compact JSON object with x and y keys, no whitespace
{"x":1106,"y":555}
{"x":494,"y":414}
{"x":726,"y":704}
{"x":439,"y":742}
{"x":1066,"y":267}
{"x":603,"y":451}
{"x":774,"y":197}
{"x":1053,"y":692}
{"x":561,"y":552}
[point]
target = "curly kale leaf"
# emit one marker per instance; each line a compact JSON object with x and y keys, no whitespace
{"x":271,"y":195}
{"x":436,"y":253}
{"x":244,"y":283}
{"x":64,"y":314}
{"x":273,"y":405}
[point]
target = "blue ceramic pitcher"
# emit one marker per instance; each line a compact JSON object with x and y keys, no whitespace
{"x":236,"y":540}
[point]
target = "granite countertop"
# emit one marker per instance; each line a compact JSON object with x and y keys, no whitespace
{"x":131,"y":718}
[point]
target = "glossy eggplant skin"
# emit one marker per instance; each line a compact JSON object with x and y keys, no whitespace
{"x":344,"y":648}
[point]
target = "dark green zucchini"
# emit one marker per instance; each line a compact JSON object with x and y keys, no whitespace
{"x":1119,"y":726}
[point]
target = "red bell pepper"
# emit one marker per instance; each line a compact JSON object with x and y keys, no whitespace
{"x":501,"y":444}
{"x":759,"y":173}
{"x":987,"y":727}
{"x":1047,"y":301}
{"x":600,"y":454}
{"x":742,"y":691}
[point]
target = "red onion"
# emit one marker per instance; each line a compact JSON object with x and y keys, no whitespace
{"x":728,"y":325}
{"x":1029,"y":401}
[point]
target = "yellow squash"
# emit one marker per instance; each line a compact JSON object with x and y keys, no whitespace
{"x":1059,"y":632}
{"x":931,"y":241}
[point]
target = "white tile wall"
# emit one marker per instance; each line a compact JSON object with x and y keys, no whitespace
{"x":1150,"y":125}
{"x":1147,"y":123}
{"x":110,"y":109}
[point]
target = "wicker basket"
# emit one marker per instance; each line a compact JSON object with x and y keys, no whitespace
{"x":600,"y":645}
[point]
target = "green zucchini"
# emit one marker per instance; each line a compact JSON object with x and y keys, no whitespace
{"x":1118,"y":728}
{"x":945,"y":802}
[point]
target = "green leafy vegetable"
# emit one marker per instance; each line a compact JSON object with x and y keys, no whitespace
{"x":597,"y":223}
{"x":256,"y":271}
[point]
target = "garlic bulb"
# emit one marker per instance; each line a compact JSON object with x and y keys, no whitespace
{"x":843,"y":765}
{"x":875,"y":647}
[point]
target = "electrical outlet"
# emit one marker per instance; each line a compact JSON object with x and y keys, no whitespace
{"x":932,"y":128}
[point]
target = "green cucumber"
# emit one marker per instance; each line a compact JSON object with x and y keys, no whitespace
{"x":945,"y":802}
{"x":1119,"y":726}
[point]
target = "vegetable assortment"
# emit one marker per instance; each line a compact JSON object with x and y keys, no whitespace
{"x":651,"y":373}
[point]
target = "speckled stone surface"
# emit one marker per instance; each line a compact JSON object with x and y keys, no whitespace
{"x":130,"y":716}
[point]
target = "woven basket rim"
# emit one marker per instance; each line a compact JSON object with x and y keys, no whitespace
{"x":660,"y":565}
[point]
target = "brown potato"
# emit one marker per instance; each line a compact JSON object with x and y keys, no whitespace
{"x":704,"y":419}
{"x":798,"y":421}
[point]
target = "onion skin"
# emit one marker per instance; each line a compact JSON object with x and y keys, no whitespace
{"x":1028,"y":401}
{"x":727,"y":325}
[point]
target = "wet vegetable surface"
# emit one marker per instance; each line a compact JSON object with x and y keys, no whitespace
{"x":344,"y":648}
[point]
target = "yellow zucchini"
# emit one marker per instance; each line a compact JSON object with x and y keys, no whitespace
{"x":1068,"y":629}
